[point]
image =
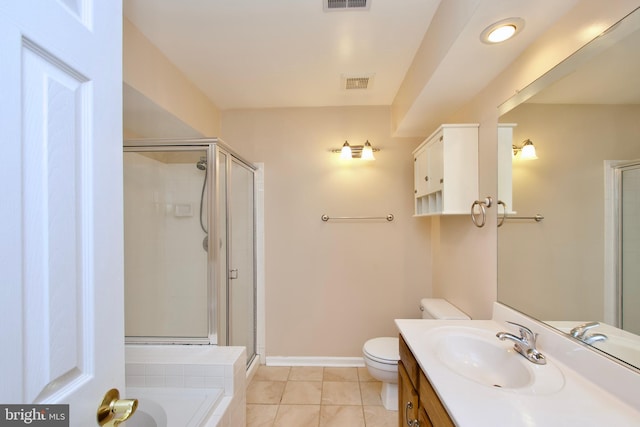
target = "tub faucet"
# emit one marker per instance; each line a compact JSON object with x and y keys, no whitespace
{"x":580,"y":332}
{"x":525,"y":344}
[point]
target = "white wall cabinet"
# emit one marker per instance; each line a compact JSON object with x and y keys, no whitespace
{"x":446,"y":171}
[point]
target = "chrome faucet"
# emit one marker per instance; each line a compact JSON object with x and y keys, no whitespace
{"x":525,"y":344}
{"x":580,"y":332}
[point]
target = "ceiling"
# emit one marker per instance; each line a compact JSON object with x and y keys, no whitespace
{"x":423,"y":54}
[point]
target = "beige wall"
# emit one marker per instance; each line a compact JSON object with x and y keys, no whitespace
{"x":331,"y":286}
{"x":147,"y":70}
{"x":555,"y":269}
{"x":465,"y":258}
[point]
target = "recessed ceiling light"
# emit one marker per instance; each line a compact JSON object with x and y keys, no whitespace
{"x":502,"y":30}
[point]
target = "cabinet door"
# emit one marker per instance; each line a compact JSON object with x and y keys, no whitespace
{"x":423,"y":419}
{"x":421,"y":163}
{"x":430,"y":401}
{"x":407,"y":398}
{"x":435,"y":172}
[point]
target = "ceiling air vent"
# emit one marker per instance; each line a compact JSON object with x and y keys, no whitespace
{"x":346,"y":4}
{"x":357,"y":81}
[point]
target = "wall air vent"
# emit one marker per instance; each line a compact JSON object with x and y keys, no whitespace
{"x":331,"y":5}
{"x":352,"y":82}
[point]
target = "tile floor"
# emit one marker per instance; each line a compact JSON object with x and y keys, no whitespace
{"x":316,"y":397}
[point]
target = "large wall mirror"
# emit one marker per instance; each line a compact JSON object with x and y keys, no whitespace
{"x":580,"y":263}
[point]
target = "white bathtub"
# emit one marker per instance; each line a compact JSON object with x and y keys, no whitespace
{"x":171,"y":406}
{"x":186,"y":385}
{"x":148,"y":414}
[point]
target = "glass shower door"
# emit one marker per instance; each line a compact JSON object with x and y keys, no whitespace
{"x":241,"y":288}
{"x":630,"y":248}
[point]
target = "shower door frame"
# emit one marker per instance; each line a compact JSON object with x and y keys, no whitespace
{"x":213,"y":146}
{"x":613,"y":285}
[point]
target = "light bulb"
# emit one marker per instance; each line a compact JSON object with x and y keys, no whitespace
{"x":501,"y":34}
{"x":367,"y":152}
{"x":528,"y":151}
{"x":345,"y":153}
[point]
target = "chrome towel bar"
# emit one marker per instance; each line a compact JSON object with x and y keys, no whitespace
{"x":501,"y":219}
{"x":536,"y":217}
{"x":326,"y":217}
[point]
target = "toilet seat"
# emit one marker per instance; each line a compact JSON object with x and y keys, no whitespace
{"x":383,"y":350}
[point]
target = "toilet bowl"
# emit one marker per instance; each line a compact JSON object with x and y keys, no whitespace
{"x":381,"y":358}
{"x":381,"y":354}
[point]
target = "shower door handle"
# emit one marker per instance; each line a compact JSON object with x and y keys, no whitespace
{"x":233,"y":274}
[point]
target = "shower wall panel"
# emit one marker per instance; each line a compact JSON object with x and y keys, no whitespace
{"x":165,"y":263}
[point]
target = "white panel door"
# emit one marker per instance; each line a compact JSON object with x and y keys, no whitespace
{"x":61,"y":256}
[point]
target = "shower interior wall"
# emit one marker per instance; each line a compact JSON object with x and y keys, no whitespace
{"x":166,"y":266}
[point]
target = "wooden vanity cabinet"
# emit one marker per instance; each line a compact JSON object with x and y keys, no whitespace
{"x":407,"y":398}
{"x":417,"y":400}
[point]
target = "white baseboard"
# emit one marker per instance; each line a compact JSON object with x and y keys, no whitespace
{"x":346,"y":362}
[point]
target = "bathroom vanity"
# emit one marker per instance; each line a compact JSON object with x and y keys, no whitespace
{"x":458,"y":373}
{"x":417,"y":400}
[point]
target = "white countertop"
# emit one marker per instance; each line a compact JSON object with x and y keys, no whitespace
{"x":619,"y":343}
{"x":577,"y":401}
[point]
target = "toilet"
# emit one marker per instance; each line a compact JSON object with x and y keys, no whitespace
{"x":381,"y":354}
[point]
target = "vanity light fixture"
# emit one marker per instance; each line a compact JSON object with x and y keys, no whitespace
{"x":364,"y":152}
{"x":502,"y":30}
{"x":526,"y":152}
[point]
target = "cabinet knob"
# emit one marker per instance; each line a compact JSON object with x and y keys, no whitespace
{"x":426,"y":178}
{"x":441,"y":180}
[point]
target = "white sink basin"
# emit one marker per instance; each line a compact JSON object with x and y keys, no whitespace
{"x":483,"y":362}
{"x":477,"y":355}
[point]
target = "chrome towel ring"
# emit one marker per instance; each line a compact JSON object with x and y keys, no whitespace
{"x":504,"y":213}
{"x":483,"y":204}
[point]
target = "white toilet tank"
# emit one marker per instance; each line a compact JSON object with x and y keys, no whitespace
{"x":438,"y":308}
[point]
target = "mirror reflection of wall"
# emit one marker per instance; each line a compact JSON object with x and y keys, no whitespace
{"x":555,"y":268}
{"x":584,"y":119}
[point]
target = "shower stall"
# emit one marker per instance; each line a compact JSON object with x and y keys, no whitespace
{"x":190,"y":255}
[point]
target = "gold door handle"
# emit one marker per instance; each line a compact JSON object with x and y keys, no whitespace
{"x":113,"y":410}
